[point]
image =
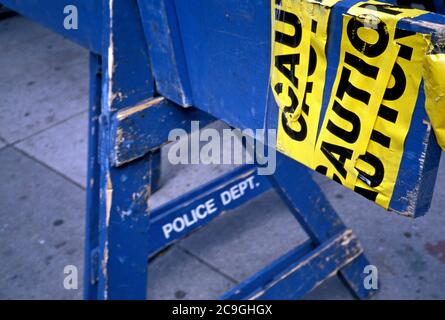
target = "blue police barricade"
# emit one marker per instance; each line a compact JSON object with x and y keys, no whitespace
{"x":351,"y":89}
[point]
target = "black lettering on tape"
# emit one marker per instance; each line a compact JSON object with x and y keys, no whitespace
{"x":305,"y":106}
{"x":294,"y":40}
{"x":296,"y":135}
{"x":345,"y":86}
{"x":324,"y":171}
{"x":364,"y":68}
{"x":312,"y":61}
{"x":379,"y":170}
{"x":371,"y":50}
{"x":402,"y":33}
{"x":368,"y":194}
{"x":405,"y":52}
{"x":348,"y":136}
{"x":314,"y":26}
{"x":388,"y":114}
{"x":381,"y":138}
{"x":344,"y":154}
{"x":399,"y":87}
{"x":288,"y":59}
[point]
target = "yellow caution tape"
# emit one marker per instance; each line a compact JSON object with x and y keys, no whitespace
{"x":299,"y":37}
{"x":360,"y":143}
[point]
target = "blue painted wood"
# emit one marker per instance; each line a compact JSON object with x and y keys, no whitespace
{"x":146,"y":126}
{"x":299,"y":278}
{"x":50,"y":14}
{"x":166,"y":50}
{"x":413,"y":191}
{"x":306,"y":201}
{"x":91,"y":251}
{"x":128,"y":73}
{"x":294,"y":184}
{"x":211,"y":50}
{"x":156,"y":170}
{"x":226,"y":49}
{"x":226,"y":42}
{"x":124,"y":229}
{"x":261,"y":279}
{"x":123,"y":211}
{"x":105,"y":276}
{"x":243,"y":178}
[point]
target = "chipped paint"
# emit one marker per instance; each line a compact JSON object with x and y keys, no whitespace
{"x":438,"y":29}
{"x":119,"y":140}
{"x":412,"y":196}
{"x":125,"y":213}
{"x":104,"y":262}
{"x":108,"y":200}
{"x":343,"y":239}
{"x":125,"y":113}
{"x":105,"y":270}
{"x":108,"y":203}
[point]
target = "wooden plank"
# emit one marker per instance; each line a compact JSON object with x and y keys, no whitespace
{"x":227,"y":50}
{"x":198,"y":207}
{"x":302,"y":274}
{"x":267,"y":275}
{"x":166,"y":50}
{"x":132,"y":138}
{"x":304,"y":198}
{"x":123,"y":211}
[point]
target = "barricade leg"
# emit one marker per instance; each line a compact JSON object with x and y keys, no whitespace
{"x":124,"y":172}
{"x":118,"y":217}
{"x":117,"y":220}
{"x":93,"y":180}
{"x":307,"y":203}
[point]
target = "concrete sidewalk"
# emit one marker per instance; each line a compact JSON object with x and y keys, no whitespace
{"x":43,"y":127}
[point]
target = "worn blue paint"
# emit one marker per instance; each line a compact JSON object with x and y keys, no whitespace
{"x":91,"y":251}
{"x":215,"y":55}
{"x":156,"y":162}
{"x":126,"y":61}
{"x":208,"y":53}
{"x":227,"y":50}
{"x":413,"y":191}
{"x":260,"y":280}
{"x":189,"y":201}
{"x":166,"y":50}
{"x":225,"y":42}
{"x":327,"y":259}
{"x":315,"y":215}
{"x":299,"y":277}
{"x":131,"y":137}
{"x":123,"y":211}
